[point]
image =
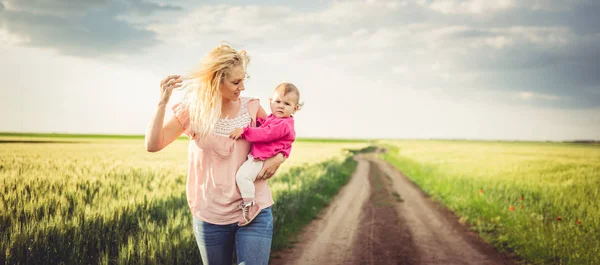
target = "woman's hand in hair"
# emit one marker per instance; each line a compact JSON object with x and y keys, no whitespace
{"x":167,"y":85}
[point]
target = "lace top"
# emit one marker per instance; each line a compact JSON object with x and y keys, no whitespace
{"x":224,"y":127}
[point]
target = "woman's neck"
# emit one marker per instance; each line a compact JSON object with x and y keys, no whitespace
{"x":229,"y":107}
{"x":229,"y":103}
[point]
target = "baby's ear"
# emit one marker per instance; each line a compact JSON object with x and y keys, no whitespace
{"x":299,"y":106}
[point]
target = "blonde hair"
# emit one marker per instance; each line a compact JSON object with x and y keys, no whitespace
{"x":285,"y":88}
{"x":203,"y":97}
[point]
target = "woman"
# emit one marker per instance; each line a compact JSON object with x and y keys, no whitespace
{"x":210,"y":110}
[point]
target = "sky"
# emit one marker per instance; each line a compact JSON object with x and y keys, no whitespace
{"x":449,"y":69}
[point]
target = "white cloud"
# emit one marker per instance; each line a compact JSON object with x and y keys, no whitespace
{"x":283,"y":29}
{"x":12,"y":39}
{"x":233,"y":23}
{"x":548,"y":36}
{"x":497,"y":38}
{"x":67,"y":8}
{"x":401,"y":70}
{"x":480,"y":7}
{"x":527,"y":95}
{"x":360,"y":33}
{"x":471,"y":6}
{"x":381,"y":38}
{"x":348,"y":12}
{"x":498,"y":42}
{"x":552,"y":5}
{"x":56,"y":8}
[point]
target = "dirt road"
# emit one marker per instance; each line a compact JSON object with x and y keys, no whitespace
{"x":381,"y":217}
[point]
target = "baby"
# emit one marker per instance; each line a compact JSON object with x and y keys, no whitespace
{"x":274,"y":135}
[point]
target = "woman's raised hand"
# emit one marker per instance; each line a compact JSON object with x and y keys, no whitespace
{"x":167,"y":85}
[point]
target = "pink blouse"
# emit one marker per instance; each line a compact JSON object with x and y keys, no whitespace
{"x":212,"y":192}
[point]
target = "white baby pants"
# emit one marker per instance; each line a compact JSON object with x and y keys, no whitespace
{"x":246,"y":175}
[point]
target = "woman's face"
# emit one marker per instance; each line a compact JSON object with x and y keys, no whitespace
{"x":233,"y":84}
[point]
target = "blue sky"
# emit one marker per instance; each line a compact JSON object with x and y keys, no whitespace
{"x":507,"y":69}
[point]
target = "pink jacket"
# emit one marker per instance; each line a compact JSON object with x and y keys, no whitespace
{"x":275,"y":135}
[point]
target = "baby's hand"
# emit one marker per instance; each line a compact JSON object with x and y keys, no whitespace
{"x":236,"y":133}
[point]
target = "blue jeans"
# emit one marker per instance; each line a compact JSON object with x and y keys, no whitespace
{"x":252,"y":242}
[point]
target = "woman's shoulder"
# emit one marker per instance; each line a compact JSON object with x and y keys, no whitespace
{"x":252,"y":104}
{"x":251,"y":100}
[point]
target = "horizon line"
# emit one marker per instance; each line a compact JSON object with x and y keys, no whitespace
{"x":141,"y":136}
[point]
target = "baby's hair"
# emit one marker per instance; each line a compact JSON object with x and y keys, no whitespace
{"x":285,"y":88}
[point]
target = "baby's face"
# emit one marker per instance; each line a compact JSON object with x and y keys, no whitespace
{"x":284,"y":106}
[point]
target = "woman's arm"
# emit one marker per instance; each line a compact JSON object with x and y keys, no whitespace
{"x":159,"y":135}
{"x":270,"y":166}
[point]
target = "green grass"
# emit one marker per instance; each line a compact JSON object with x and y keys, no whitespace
{"x":480,"y":181}
{"x":109,"y":201}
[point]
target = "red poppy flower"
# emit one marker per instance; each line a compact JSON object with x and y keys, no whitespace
{"x":559,"y":218}
{"x":512,"y":208}
{"x":578,"y":222}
